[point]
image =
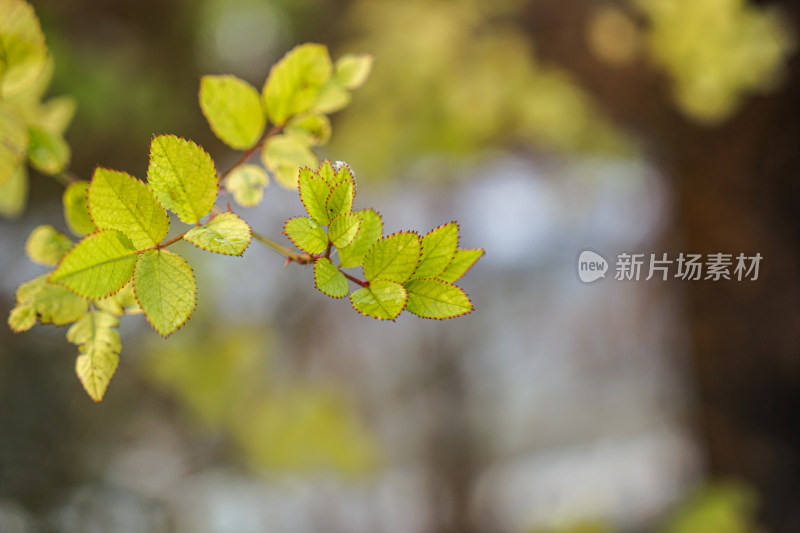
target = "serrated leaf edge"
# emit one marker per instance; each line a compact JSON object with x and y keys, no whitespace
{"x":392,"y":235}
{"x":403,"y":308}
{"x":191,"y":312}
{"x":292,"y":240}
{"x":472,"y":305}
{"x":316,"y":282}
{"x":250,"y":232}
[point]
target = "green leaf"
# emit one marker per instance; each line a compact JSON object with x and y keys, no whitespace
{"x":284,"y":154}
{"x":295,"y":81}
{"x":306,"y":234}
{"x":433,"y":298}
{"x":329,"y":280}
{"x":121,"y":302}
{"x":314,"y":193}
{"x":314,"y":130}
{"x":51,"y":303}
{"x":369,"y":232}
{"x":343,"y":174}
{"x":247,"y":183}
{"x":343,"y":230}
{"x":327,"y":173}
{"x":383,"y":299}
{"x":165,"y":287}
{"x":233,"y":110}
{"x":462,"y":261}
{"x":352,"y":70}
{"x":99,"y":346}
{"x":340,"y":201}
{"x":21,"y":45}
{"x":14,"y":193}
{"x":224,"y":234}
{"x":438,"y":248}
{"x":76,"y":208}
{"x":48,"y":152}
{"x":97,"y":266}
{"x":13,"y":141}
{"x":332,"y":97}
{"x":183,"y":177}
{"x":47,"y":246}
{"x":55,"y":114}
{"x":119,"y":201}
{"x":393,"y":258}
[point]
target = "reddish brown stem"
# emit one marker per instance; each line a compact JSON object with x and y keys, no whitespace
{"x":275,"y":130}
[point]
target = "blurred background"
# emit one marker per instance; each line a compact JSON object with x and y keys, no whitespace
{"x":544,"y":127}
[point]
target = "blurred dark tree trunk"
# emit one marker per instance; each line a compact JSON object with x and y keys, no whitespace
{"x":737,"y":189}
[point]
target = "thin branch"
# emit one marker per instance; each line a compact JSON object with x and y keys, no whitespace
{"x":275,"y":130}
{"x":302,"y":259}
{"x":171,"y":241}
{"x":354,"y":279}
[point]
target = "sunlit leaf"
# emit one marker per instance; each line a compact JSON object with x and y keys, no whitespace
{"x":314,"y":193}
{"x":295,"y":81}
{"x":352,"y":70}
{"x":329,"y":280}
{"x":246,"y":183}
{"x":225,"y":234}
{"x":284,"y":155}
{"x":340,"y":202}
{"x":22,"y":46}
{"x":14,"y":193}
{"x":99,"y":346}
{"x":462,"y":261}
{"x":119,"y":201}
{"x":49,"y":303}
{"x":13,"y":141}
{"x":438,"y":248}
{"x":431,"y":298}
{"x":76,"y":208}
{"x":393,"y":258}
{"x":233,"y":109}
{"x":332,"y":97}
{"x":343,"y":230}
{"x":121,"y":302}
{"x":383,"y":299}
{"x":306,"y":234}
{"x":165,"y":287}
{"x":97,"y":266}
{"x":314,"y":130}
{"x":369,"y":232}
{"x":183,"y":177}
{"x":48,"y":152}
{"x":46,"y":245}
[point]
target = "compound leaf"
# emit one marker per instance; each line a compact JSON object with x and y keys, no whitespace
{"x":432,"y":298}
{"x":119,"y":201}
{"x":284,"y":154}
{"x":393,"y":258}
{"x":383,"y":299}
{"x":462,"y":261}
{"x":233,"y":110}
{"x":343,"y":230}
{"x":165,"y":287}
{"x":225,"y":234}
{"x":50,"y":303}
{"x":247,"y":183}
{"x":438,"y":248}
{"x":76,"y":208}
{"x":47,"y":246}
{"x":183,"y":177}
{"x":48,"y":152}
{"x":370,"y":230}
{"x":99,"y":346}
{"x":340,"y":202}
{"x":97,"y":266}
{"x":306,"y":234}
{"x":329,"y":280}
{"x":314,"y":193}
{"x":352,"y":70}
{"x":295,"y":81}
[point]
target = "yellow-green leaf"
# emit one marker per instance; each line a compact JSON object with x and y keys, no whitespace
{"x":48,"y":152}
{"x":183,"y":177}
{"x":121,"y":302}
{"x":99,"y":346}
{"x":76,"y":208}
{"x":332,"y":97}
{"x":119,"y":201}
{"x":352,"y":70}
{"x":433,"y":298}
{"x":340,"y":201}
{"x":314,"y":130}
{"x":438,"y":248}
{"x":233,"y":110}
{"x":343,"y":230}
{"x":14,"y":193}
{"x":284,"y":154}
{"x":393,"y":258}
{"x":21,"y":45}
{"x":306,"y":234}
{"x":295,"y":81}
{"x":225,"y":234}
{"x":462,"y":261}
{"x":314,"y":193}
{"x":369,"y":232}
{"x":383,"y":299}
{"x":165,"y":287}
{"x":47,"y":246}
{"x":97,"y":266}
{"x":55,"y":114}
{"x":50,"y":303}
{"x":13,"y":141}
{"x":329,"y":280}
{"x":247,"y":183}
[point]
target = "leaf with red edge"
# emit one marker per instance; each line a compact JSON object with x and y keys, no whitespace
{"x":383,"y":299}
{"x":433,"y":298}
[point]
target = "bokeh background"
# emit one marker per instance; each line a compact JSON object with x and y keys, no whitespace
{"x":544,"y":127}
